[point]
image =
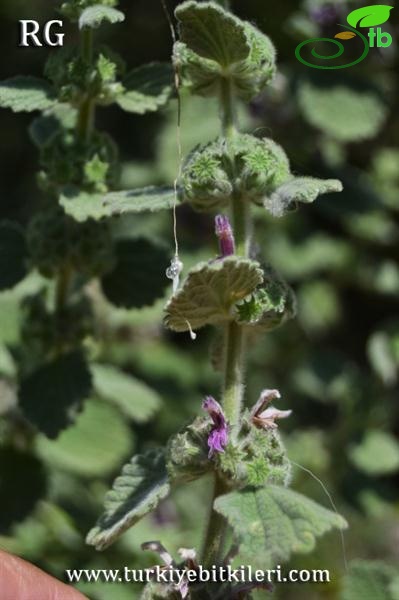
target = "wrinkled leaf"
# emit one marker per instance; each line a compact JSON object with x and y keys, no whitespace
{"x":369,"y":16}
{"x":299,"y":189}
{"x":142,"y":484}
{"x":94,"y":446}
{"x":93,"y":16}
{"x":147,"y":88}
{"x":272,"y":523}
{"x":210,"y":291}
{"x":51,"y":395}
{"x":135,"y":280}
{"x":25,"y":93}
{"x":135,"y":399}
{"x":13,"y":255}
{"x":83,"y":206}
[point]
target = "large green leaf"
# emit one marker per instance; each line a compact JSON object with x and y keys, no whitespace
{"x":137,"y":401}
{"x":369,"y":16}
{"x":210,"y":291}
{"x":299,"y":189}
{"x":212,"y":32}
{"x":147,"y":88}
{"x":344,"y":113}
{"x":82,"y":206}
{"x":377,"y":454}
{"x":25,"y":93}
{"x":271,"y":523}
{"x":142,"y":484}
{"x":368,"y":580}
{"x":93,"y":16}
{"x":22,"y":484}
{"x":94,"y":446}
{"x":137,"y":278}
{"x":51,"y":395}
{"x":13,"y":255}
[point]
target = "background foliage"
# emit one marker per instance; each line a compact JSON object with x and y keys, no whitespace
{"x":337,"y":365}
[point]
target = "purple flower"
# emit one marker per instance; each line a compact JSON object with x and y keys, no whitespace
{"x":224,"y":232}
{"x":265,"y":417}
{"x":217,"y":439}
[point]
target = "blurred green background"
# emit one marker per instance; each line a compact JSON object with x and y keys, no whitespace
{"x":336,"y":365}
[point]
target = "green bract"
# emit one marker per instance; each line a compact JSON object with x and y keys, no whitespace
{"x":215,"y":46}
{"x":252,"y":168}
{"x":210,"y":292}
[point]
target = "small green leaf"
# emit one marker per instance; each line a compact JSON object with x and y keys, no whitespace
{"x":369,"y":16}
{"x":93,"y":16}
{"x":13,"y":255}
{"x":377,"y":454}
{"x":210,"y":291}
{"x":147,"y":88}
{"x":49,"y":396}
{"x":212,"y":33}
{"x":272,"y":523}
{"x":139,"y":489}
{"x":299,"y":189}
{"x":25,"y":93}
{"x":135,"y":280}
{"x":135,"y":399}
{"x":94,"y":446}
{"x":83,"y":206}
{"x":22,"y":484}
{"x":368,"y":580}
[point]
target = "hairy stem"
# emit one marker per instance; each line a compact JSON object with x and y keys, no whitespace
{"x":234,"y":342}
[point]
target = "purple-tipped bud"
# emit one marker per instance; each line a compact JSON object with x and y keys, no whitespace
{"x":224,"y":232}
{"x":218,"y":436}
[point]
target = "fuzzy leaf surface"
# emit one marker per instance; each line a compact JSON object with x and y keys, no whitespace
{"x":50,"y":395}
{"x":142,"y":484}
{"x":273,"y":522}
{"x":210,"y":291}
{"x":13,"y":255}
{"x":26,"y":94}
{"x":134,"y":281}
{"x":300,"y":189}
{"x":368,"y":580}
{"x":135,"y":399}
{"x":93,"y":16}
{"x":83,"y":206}
{"x":147,"y":88}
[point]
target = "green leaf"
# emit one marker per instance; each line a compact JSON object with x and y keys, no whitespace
{"x":7,"y":363}
{"x":147,"y":88}
{"x":210,"y":291}
{"x":94,"y":446}
{"x":49,"y":396}
{"x":22,"y":484}
{"x":382,"y":356}
{"x":83,"y":206}
{"x":272,"y":523}
{"x":139,"y":489}
{"x":378,"y":453}
{"x":368,"y":580}
{"x":135,"y":399}
{"x":369,"y":16}
{"x":215,"y":46}
{"x":13,"y":255}
{"x":93,"y":16}
{"x":44,"y":128}
{"x":299,"y":189}
{"x":135,"y":280}
{"x":212,"y":33}
{"x":25,"y":93}
{"x":344,"y":113}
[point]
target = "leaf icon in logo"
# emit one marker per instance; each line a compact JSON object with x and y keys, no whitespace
{"x":369,"y":16}
{"x":345,"y":35}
